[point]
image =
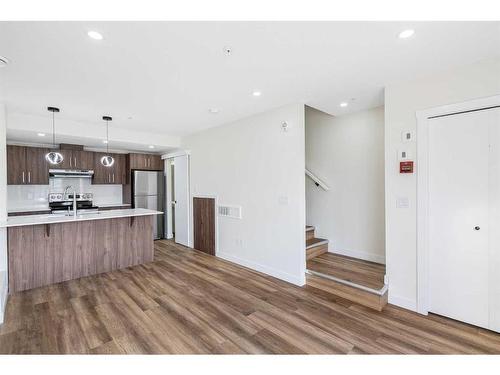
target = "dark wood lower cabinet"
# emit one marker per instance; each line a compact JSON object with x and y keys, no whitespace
{"x":204,"y":224}
{"x":50,"y":253}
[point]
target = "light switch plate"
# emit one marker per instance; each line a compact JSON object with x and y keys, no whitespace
{"x":403,"y":155}
{"x":403,"y":202}
{"x":407,"y":136}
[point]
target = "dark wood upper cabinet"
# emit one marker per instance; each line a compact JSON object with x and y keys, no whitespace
{"x":27,"y":166}
{"x":83,"y":159}
{"x":66,"y":163}
{"x":37,"y":166}
{"x":76,"y":159}
{"x":116,"y":174}
{"x":16,"y":165}
{"x":146,"y":162}
{"x":156,"y":163}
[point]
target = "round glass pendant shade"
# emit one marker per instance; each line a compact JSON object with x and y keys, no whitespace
{"x":54,"y":157}
{"x":107,"y":161}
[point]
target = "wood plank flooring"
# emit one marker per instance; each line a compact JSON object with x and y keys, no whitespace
{"x":189,"y":302}
{"x":357,"y":271}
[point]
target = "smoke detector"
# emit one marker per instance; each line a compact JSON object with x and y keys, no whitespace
{"x":3,"y":61}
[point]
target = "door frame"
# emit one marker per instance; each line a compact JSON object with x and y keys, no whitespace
{"x":422,"y":164}
{"x":216,"y":219}
{"x":169,"y":217}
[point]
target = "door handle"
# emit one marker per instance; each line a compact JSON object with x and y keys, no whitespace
{"x":477,"y":228}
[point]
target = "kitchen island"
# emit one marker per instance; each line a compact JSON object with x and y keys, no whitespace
{"x":47,"y":249}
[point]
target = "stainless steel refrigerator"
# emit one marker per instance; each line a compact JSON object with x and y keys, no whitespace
{"x":148,"y":190}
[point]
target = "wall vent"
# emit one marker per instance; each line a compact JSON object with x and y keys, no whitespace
{"x":230,"y":211}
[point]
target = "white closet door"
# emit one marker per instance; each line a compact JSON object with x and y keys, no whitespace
{"x":459,"y":189}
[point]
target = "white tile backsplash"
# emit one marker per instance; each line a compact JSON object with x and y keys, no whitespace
{"x":31,"y":197}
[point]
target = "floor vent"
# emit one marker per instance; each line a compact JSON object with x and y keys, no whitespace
{"x":230,"y":211}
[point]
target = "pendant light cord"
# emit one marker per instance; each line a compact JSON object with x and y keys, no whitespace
{"x":53,"y":130}
{"x":107,"y":136}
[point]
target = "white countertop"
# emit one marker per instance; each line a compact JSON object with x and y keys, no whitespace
{"x":18,"y":221}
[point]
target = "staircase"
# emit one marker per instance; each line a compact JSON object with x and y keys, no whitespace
{"x":314,"y":246}
{"x":352,"y":279}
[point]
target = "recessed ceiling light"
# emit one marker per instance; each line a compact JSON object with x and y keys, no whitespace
{"x":406,"y":34}
{"x":151,"y":146}
{"x":344,"y":104}
{"x":105,"y":141}
{"x":95,"y":35}
{"x":213,"y":110}
{"x":3,"y":61}
{"x":41,"y":134}
{"x":256,"y":93}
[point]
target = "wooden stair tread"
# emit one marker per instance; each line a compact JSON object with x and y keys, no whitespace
{"x":309,"y":227}
{"x":315,"y":241}
{"x":362,"y":297}
{"x":357,"y":271}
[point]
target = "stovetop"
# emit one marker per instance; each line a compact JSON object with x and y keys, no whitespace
{"x":61,"y":197}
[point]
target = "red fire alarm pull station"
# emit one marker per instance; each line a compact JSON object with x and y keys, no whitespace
{"x":405,"y":167}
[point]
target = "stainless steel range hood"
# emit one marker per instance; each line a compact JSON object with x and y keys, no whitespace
{"x":69,"y":173}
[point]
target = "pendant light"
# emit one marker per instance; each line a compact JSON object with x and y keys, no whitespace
{"x":54,"y":157}
{"x":107,"y":160}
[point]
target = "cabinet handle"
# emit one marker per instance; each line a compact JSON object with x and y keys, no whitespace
{"x":70,"y":162}
{"x":29,"y":177}
{"x":113,"y":178}
{"x":23,"y":177}
{"x":75,"y":161}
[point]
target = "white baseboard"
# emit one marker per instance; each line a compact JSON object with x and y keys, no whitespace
{"x":371,"y":257}
{"x":3,"y":294}
{"x":300,"y":281}
{"x":403,"y":302}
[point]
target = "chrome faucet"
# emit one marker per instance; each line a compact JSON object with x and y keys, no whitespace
{"x":74,"y":198}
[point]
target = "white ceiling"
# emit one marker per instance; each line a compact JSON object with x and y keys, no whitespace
{"x":166,"y":75}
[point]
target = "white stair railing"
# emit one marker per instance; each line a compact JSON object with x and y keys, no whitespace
{"x":316,"y":180}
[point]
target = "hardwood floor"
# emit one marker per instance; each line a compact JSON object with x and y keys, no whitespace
{"x":189,"y":302}
{"x":361,"y":272}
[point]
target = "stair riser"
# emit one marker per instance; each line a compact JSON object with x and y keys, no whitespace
{"x":309,"y":234}
{"x":347,"y":292}
{"x":316,"y":250}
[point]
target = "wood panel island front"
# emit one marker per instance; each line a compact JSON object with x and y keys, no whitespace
{"x":48,"y":249}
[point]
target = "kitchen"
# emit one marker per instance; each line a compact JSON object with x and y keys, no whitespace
{"x":75,"y":211}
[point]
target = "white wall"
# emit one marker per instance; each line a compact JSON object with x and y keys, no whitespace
{"x":347,"y":153}
{"x":481,"y":79}
{"x":3,"y":212}
{"x":254,"y":164}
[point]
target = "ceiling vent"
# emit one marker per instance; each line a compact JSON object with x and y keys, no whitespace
{"x":230,"y":211}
